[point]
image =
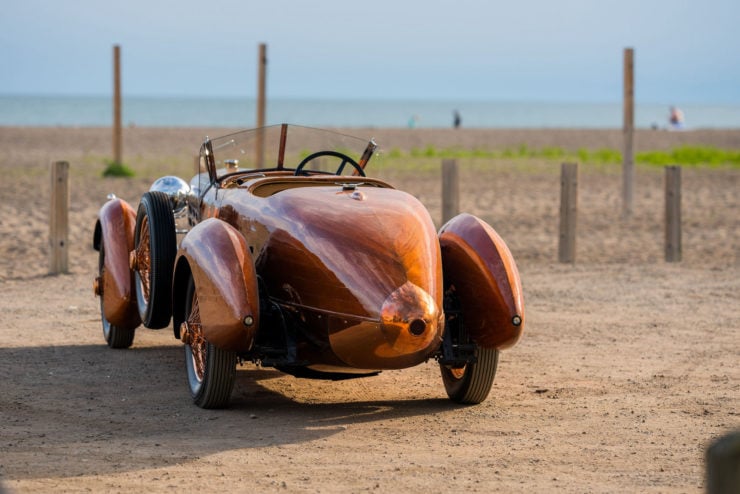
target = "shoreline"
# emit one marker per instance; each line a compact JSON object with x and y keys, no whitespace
{"x":240,"y":111}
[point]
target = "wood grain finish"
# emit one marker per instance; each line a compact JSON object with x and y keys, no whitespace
{"x":480,"y":267}
{"x":226,"y":284}
{"x":116,"y":223}
{"x":359,"y":265}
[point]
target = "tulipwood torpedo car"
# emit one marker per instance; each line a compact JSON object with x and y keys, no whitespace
{"x":282,"y":252}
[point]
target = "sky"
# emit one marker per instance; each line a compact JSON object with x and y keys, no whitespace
{"x":522,"y":50}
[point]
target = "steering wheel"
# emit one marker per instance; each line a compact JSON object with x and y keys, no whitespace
{"x":345,"y":159}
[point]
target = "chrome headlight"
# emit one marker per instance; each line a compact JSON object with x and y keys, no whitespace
{"x":176,"y":188}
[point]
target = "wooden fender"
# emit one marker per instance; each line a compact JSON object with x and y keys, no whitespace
{"x":115,"y":230}
{"x":478,"y":263}
{"x":226,"y":284}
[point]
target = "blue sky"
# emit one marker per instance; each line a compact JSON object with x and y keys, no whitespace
{"x":531,"y":50}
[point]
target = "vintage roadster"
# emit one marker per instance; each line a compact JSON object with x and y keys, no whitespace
{"x":281,"y":251}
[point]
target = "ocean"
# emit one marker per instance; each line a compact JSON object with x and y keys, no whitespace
{"x":95,"y":111}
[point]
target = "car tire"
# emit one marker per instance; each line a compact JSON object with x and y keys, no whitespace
{"x":472,"y":383}
{"x":211,"y":370}
{"x":115,"y":336}
{"x":155,"y":243}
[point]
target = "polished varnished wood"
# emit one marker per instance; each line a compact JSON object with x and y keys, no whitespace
{"x":331,"y":273}
{"x":292,"y":258}
{"x":226,"y":283}
{"x":354,"y":257}
{"x":115,"y":231}
{"x":479,"y":267}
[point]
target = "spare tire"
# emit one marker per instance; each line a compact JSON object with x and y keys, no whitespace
{"x":155,"y":247}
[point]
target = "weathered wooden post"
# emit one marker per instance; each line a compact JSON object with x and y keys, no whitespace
{"x":672,"y":213}
{"x":261,"y":103}
{"x":628,"y":164}
{"x":117,"y":147}
{"x":568,"y":212}
{"x":723,"y":465}
{"x":450,"y":190}
{"x":59,"y":218}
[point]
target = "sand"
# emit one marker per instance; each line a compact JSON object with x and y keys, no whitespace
{"x":627,"y":371}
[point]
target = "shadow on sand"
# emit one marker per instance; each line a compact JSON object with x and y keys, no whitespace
{"x":66,"y":408}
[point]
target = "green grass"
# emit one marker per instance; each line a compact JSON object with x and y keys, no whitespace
{"x":682,"y":156}
{"x":115,"y":169}
{"x":691,"y":156}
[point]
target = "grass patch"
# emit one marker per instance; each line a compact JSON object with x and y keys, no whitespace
{"x":691,"y":156}
{"x":682,"y":156}
{"x":115,"y":169}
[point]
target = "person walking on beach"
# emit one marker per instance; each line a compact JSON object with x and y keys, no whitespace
{"x":456,"y":119}
{"x":676,"y":119}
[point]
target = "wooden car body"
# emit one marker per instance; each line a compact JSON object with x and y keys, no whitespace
{"x":319,"y":274}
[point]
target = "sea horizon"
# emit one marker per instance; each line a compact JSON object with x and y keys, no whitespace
{"x":240,"y":112}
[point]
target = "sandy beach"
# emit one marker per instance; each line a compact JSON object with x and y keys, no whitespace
{"x":627,"y":371}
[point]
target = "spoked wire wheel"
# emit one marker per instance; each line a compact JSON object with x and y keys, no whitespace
{"x":144,"y":259}
{"x":154,"y":257}
{"x":211,"y":370}
{"x":115,"y":336}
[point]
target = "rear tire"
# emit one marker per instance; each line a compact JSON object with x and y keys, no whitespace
{"x":472,"y":383}
{"x":211,"y":370}
{"x":115,"y":336}
{"x":156,"y":246}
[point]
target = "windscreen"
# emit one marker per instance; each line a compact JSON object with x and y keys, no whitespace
{"x":286,"y":146}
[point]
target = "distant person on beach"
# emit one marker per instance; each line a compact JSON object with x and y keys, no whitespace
{"x":676,"y":119}
{"x":456,"y":119}
{"x":412,"y":121}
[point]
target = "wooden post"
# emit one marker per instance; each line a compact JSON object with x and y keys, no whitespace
{"x":450,"y":190}
{"x":261,"y":104}
{"x":568,"y":212}
{"x":628,"y":164}
{"x":59,"y":218}
{"x":723,"y":465}
{"x":117,"y":148}
{"x":672,"y":213}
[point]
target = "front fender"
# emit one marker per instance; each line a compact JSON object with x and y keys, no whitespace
{"x":218,"y":258}
{"x":478,"y":263}
{"x":114,"y":232}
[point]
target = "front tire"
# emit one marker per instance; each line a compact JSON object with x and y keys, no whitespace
{"x":211,"y":370}
{"x":472,"y":383}
{"x":115,"y":336}
{"x":155,"y":247}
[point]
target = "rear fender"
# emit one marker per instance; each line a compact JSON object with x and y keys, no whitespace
{"x":114,"y":231}
{"x":477,"y":262}
{"x":218,"y":258}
